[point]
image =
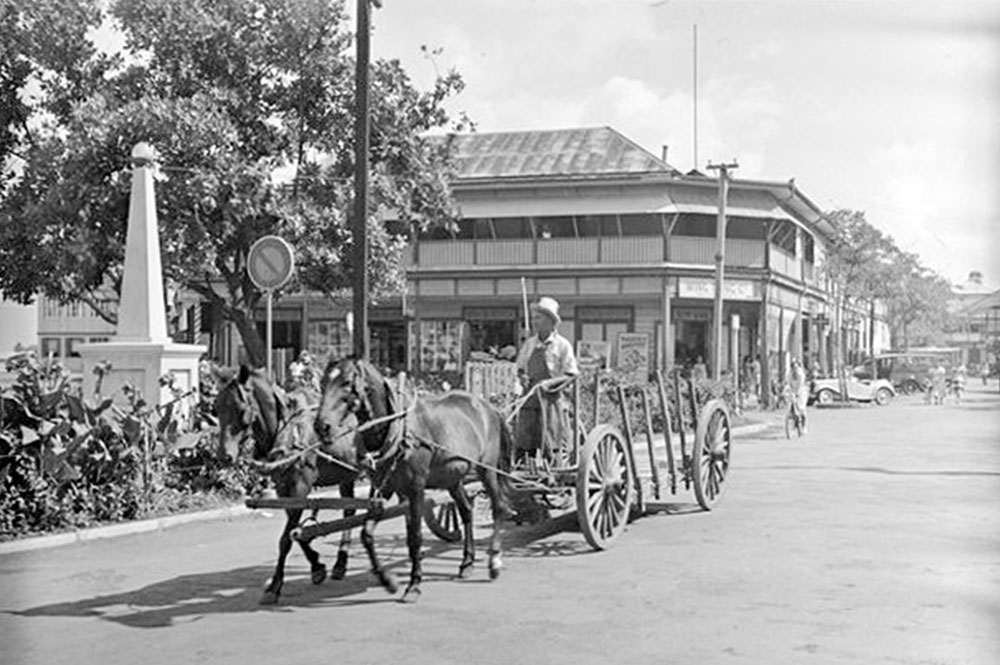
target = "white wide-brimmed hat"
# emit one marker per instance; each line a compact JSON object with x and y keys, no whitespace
{"x":548,"y":306}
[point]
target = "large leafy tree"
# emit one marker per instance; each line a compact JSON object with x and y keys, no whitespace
{"x":250,"y":104}
{"x":866,"y":267}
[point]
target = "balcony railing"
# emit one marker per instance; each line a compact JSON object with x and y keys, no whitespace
{"x":586,"y":251}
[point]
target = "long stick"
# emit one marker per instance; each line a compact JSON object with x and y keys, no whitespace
{"x":524,"y":302}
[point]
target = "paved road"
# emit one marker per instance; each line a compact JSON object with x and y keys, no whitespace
{"x":875,"y":539}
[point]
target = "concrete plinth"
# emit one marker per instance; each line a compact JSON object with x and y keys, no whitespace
{"x":141,"y":365}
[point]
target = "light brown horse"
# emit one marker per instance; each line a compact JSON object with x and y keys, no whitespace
{"x":249,"y":406}
{"x":432,"y":444}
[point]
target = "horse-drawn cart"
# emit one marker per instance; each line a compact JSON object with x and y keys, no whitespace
{"x":597,"y":474}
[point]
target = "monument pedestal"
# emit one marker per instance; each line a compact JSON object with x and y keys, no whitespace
{"x":141,"y":364}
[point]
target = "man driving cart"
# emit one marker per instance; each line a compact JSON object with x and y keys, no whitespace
{"x":546,"y":355}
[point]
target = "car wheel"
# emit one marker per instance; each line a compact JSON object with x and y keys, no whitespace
{"x":883,"y":396}
{"x":825,"y":396}
{"x":911,"y":388}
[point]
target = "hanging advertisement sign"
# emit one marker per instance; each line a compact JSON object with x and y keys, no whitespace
{"x":633,"y":356}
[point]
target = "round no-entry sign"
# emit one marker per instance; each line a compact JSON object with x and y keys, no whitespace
{"x":270,"y":263}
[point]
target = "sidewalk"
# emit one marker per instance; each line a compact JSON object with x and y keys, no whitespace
{"x":31,"y":543}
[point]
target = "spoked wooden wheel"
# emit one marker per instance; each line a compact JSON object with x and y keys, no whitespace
{"x":442,"y":518}
{"x":604,"y":486}
{"x":710,"y":457}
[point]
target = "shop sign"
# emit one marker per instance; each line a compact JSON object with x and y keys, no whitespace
{"x":688,"y":287}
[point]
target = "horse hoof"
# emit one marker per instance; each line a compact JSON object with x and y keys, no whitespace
{"x":269,"y":598}
{"x":463,"y":571}
{"x":411,"y":596}
{"x":318,"y":574}
{"x":496,"y":565}
{"x":340,"y":567}
{"x":388,"y":581}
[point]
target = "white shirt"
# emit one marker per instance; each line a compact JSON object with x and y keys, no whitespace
{"x":559,"y":356}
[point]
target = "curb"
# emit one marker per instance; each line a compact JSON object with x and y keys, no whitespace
{"x":237,"y":510}
{"x":122,"y":529}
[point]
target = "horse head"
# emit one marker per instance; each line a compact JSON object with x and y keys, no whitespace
{"x":352,"y":387}
{"x":248,"y":406}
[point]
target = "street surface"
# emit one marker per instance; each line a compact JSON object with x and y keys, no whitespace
{"x":874,"y":539}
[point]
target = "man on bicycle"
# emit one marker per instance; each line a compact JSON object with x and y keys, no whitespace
{"x":798,"y":386}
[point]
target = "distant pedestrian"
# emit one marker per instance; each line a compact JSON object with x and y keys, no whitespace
{"x":938,"y":384}
{"x":798,"y":387}
{"x":699,"y":372}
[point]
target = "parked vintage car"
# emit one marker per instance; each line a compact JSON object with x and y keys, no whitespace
{"x":827,"y":391}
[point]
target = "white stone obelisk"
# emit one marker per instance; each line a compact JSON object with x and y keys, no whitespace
{"x":142,"y":351}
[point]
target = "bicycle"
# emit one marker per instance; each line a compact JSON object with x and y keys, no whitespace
{"x":795,"y":420}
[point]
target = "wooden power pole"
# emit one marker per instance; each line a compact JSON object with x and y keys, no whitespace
{"x":360,"y":221}
{"x":720,"y":258}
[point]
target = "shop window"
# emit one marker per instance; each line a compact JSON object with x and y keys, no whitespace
{"x":388,"y":345}
{"x":439,"y":346}
{"x":641,"y":225}
{"x":51,"y":346}
{"x":603,"y":324}
{"x":491,"y":328}
{"x":328,"y":339}
{"x":71,"y":344}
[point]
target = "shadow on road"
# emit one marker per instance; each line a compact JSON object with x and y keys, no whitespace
{"x":189,"y":598}
{"x":877,"y":469}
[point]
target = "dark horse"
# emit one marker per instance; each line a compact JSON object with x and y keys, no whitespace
{"x":432,"y":444}
{"x":280,"y":426}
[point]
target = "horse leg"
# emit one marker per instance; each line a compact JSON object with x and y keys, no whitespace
{"x":317,"y":569}
{"x":340,"y":567}
{"x":385,"y":577}
{"x":501,"y":511}
{"x":273,"y":590}
{"x":464,"y":505}
{"x":414,"y":515}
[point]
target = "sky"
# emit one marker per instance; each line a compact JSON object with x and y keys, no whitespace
{"x":888,"y":107}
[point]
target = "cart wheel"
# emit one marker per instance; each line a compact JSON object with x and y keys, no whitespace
{"x":443,"y":520}
{"x":604,"y":486}
{"x":710,"y":457}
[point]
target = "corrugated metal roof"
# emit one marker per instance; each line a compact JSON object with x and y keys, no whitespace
{"x":566,"y":152}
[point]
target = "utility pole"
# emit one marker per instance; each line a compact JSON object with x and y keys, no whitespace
{"x":720,"y":258}
{"x":360,"y":225}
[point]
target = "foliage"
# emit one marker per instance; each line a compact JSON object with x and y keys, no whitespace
{"x":67,"y":462}
{"x":865,"y":266}
{"x":250,"y":105}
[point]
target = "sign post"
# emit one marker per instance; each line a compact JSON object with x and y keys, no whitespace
{"x":270,"y":265}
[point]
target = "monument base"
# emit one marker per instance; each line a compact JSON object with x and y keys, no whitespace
{"x":141,"y":364}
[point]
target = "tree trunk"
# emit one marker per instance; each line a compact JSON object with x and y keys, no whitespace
{"x":254,"y":345}
{"x":871,"y":337}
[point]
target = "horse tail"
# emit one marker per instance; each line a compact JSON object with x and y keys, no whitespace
{"x":505,"y":489}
